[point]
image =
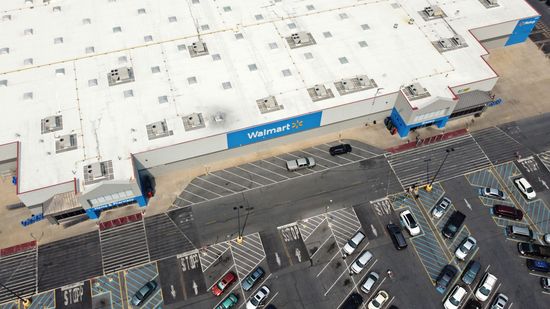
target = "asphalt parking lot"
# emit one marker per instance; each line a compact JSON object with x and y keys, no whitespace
{"x":269,"y":171}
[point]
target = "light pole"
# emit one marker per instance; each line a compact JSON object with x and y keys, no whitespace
{"x":25,"y":301}
{"x":428,"y":160}
{"x":429,"y":185}
{"x":239,"y":235}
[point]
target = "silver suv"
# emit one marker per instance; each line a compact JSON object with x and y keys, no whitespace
{"x":441,"y":207}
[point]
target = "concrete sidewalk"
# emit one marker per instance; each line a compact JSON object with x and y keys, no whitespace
{"x":524,"y":87}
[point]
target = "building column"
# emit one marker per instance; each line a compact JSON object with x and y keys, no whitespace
{"x":142,"y":202}
{"x":92,"y":213}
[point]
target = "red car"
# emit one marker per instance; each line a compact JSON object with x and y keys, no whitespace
{"x":224,"y":282}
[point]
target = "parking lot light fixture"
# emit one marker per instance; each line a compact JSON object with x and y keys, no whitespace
{"x":429,"y":185}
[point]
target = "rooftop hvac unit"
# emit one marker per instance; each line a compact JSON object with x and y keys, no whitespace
{"x":348,"y":84}
{"x":429,"y":11}
{"x":159,"y":128}
{"x":363,"y":80}
{"x":492,"y":2}
{"x":320,"y":90}
{"x":96,"y":170}
{"x":194,"y":120}
{"x":416,"y":89}
{"x":270,"y":102}
{"x":300,"y":38}
{"x":444,"y":43}
{"x":199,"y":47}
{"x":65,"y":143}
{"x":457,"y":40}
{"x":120,"y":76}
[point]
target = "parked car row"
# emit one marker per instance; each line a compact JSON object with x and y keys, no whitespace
{"x":247,"y":284}
{"x":484,"y":289}
{"x":355,"y":300}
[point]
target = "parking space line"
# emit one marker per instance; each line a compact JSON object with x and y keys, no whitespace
{"x":321,"y":246}
{"x":245,"y":170}
{"x":305,"y":227}
{"x":278,"y":166}
{"x":199,"y":196}
{"x":317,"y":157}
{"x":236,"y":175}
{"x":202,"y":179}
{"x":346,"y":271}
{"x":269,"y":171}
{"x":192,"y":184}
{"x":346,"y":297}
{"x":370,"y":152}
{"x":338,"y":253}
{"x":493,"y":292}
{"x":536,"y":274}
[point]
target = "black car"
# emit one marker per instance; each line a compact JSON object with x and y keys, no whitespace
{"x":340,"y":149}
{"x":396,"y":236}
{"x":445,"y":278}
{"x":470,"y":272}
{"x":270,"y":306}
{"x":473,"y":304}
{"x":353,"y":301}
{"x":453,"y":224}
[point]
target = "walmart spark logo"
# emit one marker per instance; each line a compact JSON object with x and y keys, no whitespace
{"x":297,"y":124}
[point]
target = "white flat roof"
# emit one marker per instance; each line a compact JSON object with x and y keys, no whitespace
{"x":81,"y":38}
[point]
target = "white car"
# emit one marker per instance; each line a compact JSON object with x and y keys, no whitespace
{"x":369,"y":282}
{"x":468,"y":244}
{"x":362,"y":261}
{"x":455,"y":298}
{"x":379,"y":300}
{"x":410,"y":223}
{"x":525,"y":188}
{"x":440,"y":208}
{"x":500,"y":301}
{"x":259,"y":298}
{"x":486,"y":285}
{"x":353,"y":243}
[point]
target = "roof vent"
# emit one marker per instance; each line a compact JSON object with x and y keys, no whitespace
{"x":198,"y":49}
{"x":98,"y":171}
{"x":65,"y":143}
{"x":158,"y":129}
{"x":193,"y":121}
{"x":4,"y":83}
{"x":320,"y":92}
{"x":121,"y":76}
{"x":489,"y":3}
{"x":416,"y":91}
{"x":432,"y":12}
{"x":300,"y":39}
{"x":219,"y":118}
{"x":351,"y":85}
{"x":269,"y":104}
{"x":51,"y":124}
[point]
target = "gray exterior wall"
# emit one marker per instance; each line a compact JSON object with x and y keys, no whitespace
{"x":494,"y":31}
{"x":8,"y":152}
{"x":403,"y":106}
{"x":39,"y":196}
{"x":495,"y":42}
{"x":437,"y":105}
{"x":262,"y":146}
{"x":182,"y":151}
{"x":355,"y":109}
{"x":106,"y":188}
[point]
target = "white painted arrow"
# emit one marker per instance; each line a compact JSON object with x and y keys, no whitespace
{"x":195,"y":287}
{"x":172,"y":291}
{"x":277,"y":259}
{"x":374,"y":231}
{"x":298,"y":254}
{"x":468,"y":204}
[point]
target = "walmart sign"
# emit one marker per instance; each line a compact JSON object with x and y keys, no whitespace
{"x":273,"y":130}
{"x":522,"y":30}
